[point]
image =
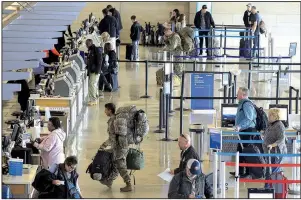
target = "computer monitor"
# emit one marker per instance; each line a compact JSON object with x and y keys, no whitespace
{"x":228,"y":115}
{"x":15,"y":132}
{"x":283,"y":113}
{"x":261,"y":193}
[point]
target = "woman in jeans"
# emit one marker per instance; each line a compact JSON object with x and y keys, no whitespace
{"x":274,"y":139}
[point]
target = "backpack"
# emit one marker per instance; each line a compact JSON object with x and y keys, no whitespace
{"x":261,"y":117}
{"x":262,"y":28}
{"x":102,"y":164}
{"x":131,"y":122}
{"x":187,"y":39}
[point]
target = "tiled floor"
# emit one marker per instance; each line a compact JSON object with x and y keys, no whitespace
{"x":159,"y":155}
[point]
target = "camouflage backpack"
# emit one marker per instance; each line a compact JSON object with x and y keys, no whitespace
{"x":187,"y":38}
{"x":131,"y":122}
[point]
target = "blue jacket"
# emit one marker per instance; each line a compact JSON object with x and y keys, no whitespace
{"x":246,"y":117}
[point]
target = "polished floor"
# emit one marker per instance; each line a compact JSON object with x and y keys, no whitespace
{"x":159,"y":155}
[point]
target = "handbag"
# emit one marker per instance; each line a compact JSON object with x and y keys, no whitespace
{"x":135,"y":159}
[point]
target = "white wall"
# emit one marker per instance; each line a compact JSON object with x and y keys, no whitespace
{"x":282,"y":20}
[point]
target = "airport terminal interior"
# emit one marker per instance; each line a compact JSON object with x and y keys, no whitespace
{"x":270,"y":72}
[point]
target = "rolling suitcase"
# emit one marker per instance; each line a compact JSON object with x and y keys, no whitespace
{"x":248,"y":50}
{"x":281,"y":189}
{"x":128,"y":52}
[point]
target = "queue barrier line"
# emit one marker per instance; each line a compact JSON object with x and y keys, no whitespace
{"x":243,"y":141}
{"x":225,"y":36}
{"x":253,"y":133}
{"x":229,"y":48}
{"x":221,"y":30}
{"x":263,"y":57}
{"x":232,"y":164}
{"x":298,"y":141}
{"x":258,"y":154}
{"x":245,"y":180}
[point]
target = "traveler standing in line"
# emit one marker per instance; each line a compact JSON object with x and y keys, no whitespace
{"x":109,"y":24}
{"x":187,"y":152}
{"x":119,"y":146}
{"x":52,"y":146}
{"x":274,"y":138}
{"x":254,"y":22}
{"x":115,"y":13}
{"x":190,"y":183}
{"x":174,"y":19}
{"x":203,"y":20}
{"x":94,"y":63}
{"x":181,"y":23}
{"x":246,"y":17}
{"x":135,"y":36}
{"x":245,"y":121}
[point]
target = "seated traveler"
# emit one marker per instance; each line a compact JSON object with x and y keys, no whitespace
{"x":187,"y":152}
{"x":190,"y":183}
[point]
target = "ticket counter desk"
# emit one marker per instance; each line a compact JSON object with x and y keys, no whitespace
{"x":21,"y":185}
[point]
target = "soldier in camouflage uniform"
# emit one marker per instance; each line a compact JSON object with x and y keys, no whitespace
{"x":119,"y":147}
{"x":173,"y":44}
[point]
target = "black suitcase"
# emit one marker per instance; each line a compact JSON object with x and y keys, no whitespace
{"x":111,"y":79}
{"x":128,"y":52}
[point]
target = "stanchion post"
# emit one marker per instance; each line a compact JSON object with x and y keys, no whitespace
{"x":171,"y":86}
{"x":225,"y":41}
{"x":249,"y":76}
{"x":181,"y":103}
{"x":230,"y":83}
{"x":223,"y":179}
{"x":146,"y":96}
{"x":161,"y":112}
{"x":225,"y":94}
{"x":297,"y":102}
{"x":277,"y":86}
{"x":290,"y":95}
{"x":236,"y":190}
{"x":194,"y":65}
{"x":294,"y":172}
{"x":258,"y":45}
{"x":166,"y":138}
{"x":215,"y":160}
{"x":234,"y":88}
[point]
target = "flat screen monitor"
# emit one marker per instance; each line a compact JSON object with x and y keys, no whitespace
{"x":283,"y":113}
{"x":260,"y":193}
{"x":228,"y":115}
{"x":15,"y":132}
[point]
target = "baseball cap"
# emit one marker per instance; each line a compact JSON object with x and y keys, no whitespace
{"x":194,"y":166}
{"x":249,"y":4}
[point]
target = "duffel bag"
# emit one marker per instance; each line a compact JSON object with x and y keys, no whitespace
{"x":135,"y":159}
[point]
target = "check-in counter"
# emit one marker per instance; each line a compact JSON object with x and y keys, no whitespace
{"x":21,"y":185}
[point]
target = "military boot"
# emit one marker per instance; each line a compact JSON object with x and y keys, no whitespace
{"x":127,"y":188}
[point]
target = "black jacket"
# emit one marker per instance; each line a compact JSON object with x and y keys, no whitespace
{"x":61,"y":191}
{"x":208,"y":20}
{"x":190,"y":153}
{"x":116,"y":14}
{"x":135,"y":31}
{"x":94,"y":60}
{"x":246,"y":19}
{"x":180,"y":187}
{"x":109,"y":24}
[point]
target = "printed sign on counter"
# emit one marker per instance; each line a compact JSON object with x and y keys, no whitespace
{"x":202,"y":85}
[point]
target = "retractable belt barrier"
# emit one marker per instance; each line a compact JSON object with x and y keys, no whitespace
{"x":232,"y":164}
{"x":258,"y":154}
{"x":253,"y":133}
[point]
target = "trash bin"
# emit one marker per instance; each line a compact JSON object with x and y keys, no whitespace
{"x":197,"y":132}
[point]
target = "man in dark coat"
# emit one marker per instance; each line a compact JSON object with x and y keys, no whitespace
{"x":203,"y":20}
{"x":190,"y":183}
{"x":109,"y":24}
{"x":94,"y":62}
{"x":188,"y":152}
{"x":247,"y":14}
{"x":117,"y":16}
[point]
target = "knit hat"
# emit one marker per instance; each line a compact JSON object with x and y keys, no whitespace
{"x":194,"y":167}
